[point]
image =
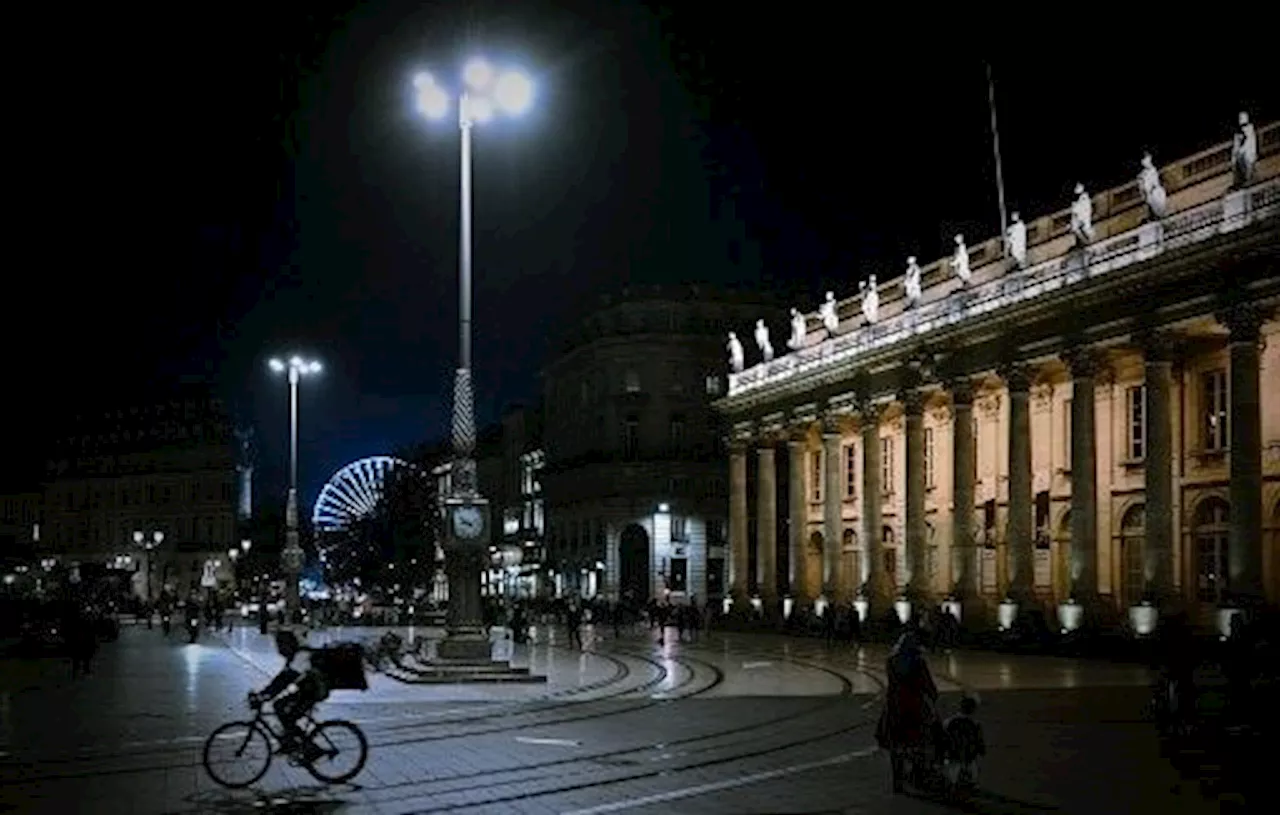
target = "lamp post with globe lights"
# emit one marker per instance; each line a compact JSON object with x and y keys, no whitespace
{"x":148,"y":545}
{"x":483,"y":93}
{"x":291,"y":559}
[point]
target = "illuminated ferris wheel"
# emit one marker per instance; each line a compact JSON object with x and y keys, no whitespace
{"x":353,"y":493}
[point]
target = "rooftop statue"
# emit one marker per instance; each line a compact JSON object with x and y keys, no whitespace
{"x":762,"y":340}
{"x":870,"y":300}
{"x":1016,"y":240}
{"x":960,"y":261}
{"x":911,"y":283}
{"x":799,"y":328}
{"x":1244,"y":150}
{"x":827,"y":311}
{"x":735,"y":353}
{"x":1152,"y":191}
{"x":1082,"y":215}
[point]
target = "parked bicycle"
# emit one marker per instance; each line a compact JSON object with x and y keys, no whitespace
{"x":239,"y":754}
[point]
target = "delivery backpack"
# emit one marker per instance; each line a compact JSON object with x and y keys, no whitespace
{"x":341,"y":665}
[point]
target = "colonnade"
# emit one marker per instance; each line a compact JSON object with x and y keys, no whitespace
{"x":1244,"y":578}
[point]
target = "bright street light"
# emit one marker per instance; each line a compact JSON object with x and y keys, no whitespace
{"x":486,"y":92}
{"x":292,"y":557}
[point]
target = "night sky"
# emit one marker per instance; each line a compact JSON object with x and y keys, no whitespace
{"x":211,"y":188}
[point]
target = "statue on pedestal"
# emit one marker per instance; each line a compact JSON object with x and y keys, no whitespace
{"x":870,"y":300}
{"x":827,"y":311}
{"x":960,"y":261}
{"x":762,"y":340}
{"x":1152,"y":191}
{"x":1244,"y":150}
{"x":911,"y":283}
{"x":1016,"y":239}
{"x":1082,"y":215}
{"x":735,"y":353}
{"x":799,"y":328}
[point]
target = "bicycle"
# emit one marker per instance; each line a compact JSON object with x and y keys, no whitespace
{"x":317,"y":737}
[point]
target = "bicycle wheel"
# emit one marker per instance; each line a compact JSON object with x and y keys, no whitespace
{"x":237,"y":754}
{"x":343,"y":751}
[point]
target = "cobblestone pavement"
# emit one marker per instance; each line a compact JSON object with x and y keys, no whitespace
{"x":733,"y":724}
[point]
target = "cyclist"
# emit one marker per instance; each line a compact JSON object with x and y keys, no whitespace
{"x":309,"y":686}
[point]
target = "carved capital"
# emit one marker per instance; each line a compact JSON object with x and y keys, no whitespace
{"x":941,"y":414}
{"x":1243,"y":320}
{"x":961,"y":388}
{"x":988,"y":403}
{"x":1083,"y":361}
{"x":1041,"y":394}
{"x":870,"y":413}
{"x":830,"y":425}
{"x":1016,"y":377}
{"x":912,"y":401}
{"x":1159,"y":346}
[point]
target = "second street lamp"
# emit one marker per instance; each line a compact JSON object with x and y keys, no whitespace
{"x":292,"y":556}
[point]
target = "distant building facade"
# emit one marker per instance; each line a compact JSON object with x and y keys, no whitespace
{"x":168,"y":467}
{"x":1086,"y":418}
{"x":634,"y":479}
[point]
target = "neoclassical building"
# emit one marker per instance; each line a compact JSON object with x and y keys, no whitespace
{"x":1086,"y":414}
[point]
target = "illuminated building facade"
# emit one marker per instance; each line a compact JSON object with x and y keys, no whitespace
{"x":1089,"y":423}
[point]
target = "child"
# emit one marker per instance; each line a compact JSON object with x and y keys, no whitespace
{"x":965,"y":745}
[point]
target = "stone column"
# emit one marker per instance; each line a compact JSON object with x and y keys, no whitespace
{"x":831,"y":498}
{"x":918,"y":577}
{"x":801,"y":591}
{"x":1084,"y":364}
{"x":1244,"y":537}
{"x":878,"y":592}
{"x":738,"y":558}
{"x":767,"y":531}
{"x":1018,"y":532}
{"x":964,"y":550}
{"x":1157,"y":550}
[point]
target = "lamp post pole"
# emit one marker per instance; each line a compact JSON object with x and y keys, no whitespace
{"x":291,"y":558}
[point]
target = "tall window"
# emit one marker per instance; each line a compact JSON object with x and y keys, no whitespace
{"x":850,"y":472}
{"x":1211,"y":526}
{"x":1213,"y":391}
{"x":631,"y":437}
{"x":677,"y":433}
{"x":1136,"y":413}
{"x":928,"y":457}
{"x":679,"y":528}
{"x":815,"y":476}
{"x":713,"y":385}
{"x":886,"y":466}
{"x":631,"y":380}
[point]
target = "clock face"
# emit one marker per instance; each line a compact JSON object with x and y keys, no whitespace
{"x":468,"y":522}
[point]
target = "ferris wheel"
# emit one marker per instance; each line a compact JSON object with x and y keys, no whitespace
{"x":353,"y":492}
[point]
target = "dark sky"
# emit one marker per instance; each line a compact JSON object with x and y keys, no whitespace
{"x":210,"y":188}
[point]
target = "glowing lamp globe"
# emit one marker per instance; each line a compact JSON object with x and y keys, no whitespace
{"x":513,"y":92}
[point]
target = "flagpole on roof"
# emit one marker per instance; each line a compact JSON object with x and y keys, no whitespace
{"x":995,"y":145}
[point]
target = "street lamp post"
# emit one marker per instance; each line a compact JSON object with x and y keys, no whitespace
{"x":291,"y":559}
{"x":148,"y":545}
{"x":484,"y":93}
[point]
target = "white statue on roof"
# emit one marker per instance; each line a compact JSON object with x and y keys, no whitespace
{"x":1152,"y":190}
{"x":960,"y":261}
{"x":1082,"y":215}
{"x":762,"y":341}
{"x":1244,"y":150}
{"x":736,"y":357}
{"x":911,"y":283}
{"x":799,"y":329}
{"x":870,"y":300}
{"x":830,"y":317}
{"x":1016,"y":240}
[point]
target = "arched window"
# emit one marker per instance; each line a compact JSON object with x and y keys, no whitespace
{"x":890,"y":554}
{"x":1211,"y":524}
{"x":1132,"y":542}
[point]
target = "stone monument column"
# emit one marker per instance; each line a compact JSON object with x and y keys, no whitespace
{"x":1157,"y":552}
{"x":738,"y":557}
{"x":797,"y":542}
{"x":1084,"y":363}
{"x":1244,"y":537}
{"x":1018,"y":533}
{"x":767,"y":531}
{"x":964,"y":550}
{"x":877,"y":591}
{"x":918,"y":588}
{"x":831,"y":498}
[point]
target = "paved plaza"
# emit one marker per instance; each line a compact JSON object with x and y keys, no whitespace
{"x":739,"y":723}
